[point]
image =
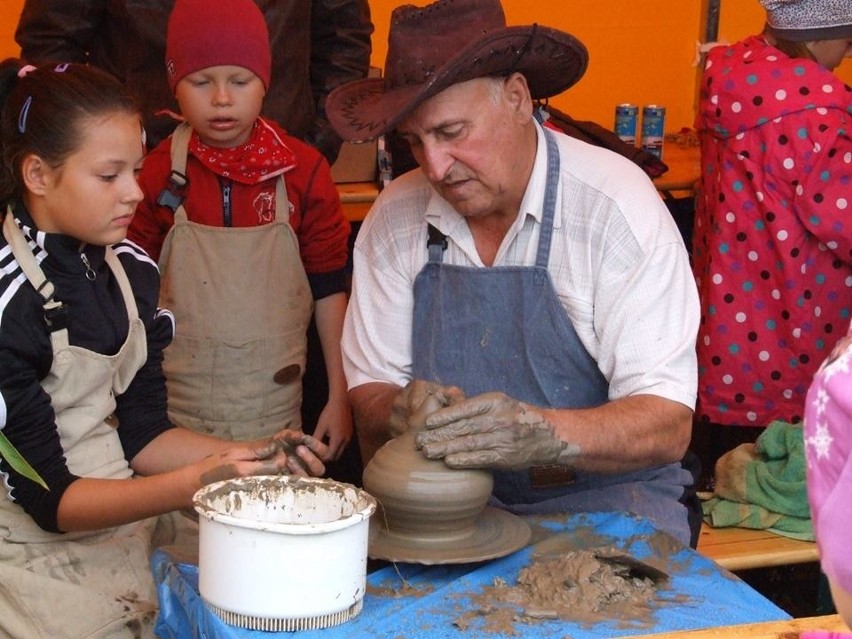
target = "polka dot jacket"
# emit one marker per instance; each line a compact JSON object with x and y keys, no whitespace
{"x":773,"y":230}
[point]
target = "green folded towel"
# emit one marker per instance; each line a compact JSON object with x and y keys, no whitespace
{"x":762,"y":485}
{"x":720,"y":513}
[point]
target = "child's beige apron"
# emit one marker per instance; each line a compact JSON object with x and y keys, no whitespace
{"x":80,"y":585}
{"x":242,"y":305}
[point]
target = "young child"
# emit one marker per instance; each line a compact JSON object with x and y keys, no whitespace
{"x":828,"y":451}
{"x":82,"y":393}
{"x":772,"y":240}
{"x":236,"y":212}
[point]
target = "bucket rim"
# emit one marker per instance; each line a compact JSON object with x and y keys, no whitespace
{"x":365,"y":505}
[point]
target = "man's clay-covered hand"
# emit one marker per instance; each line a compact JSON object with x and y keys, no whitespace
{"x":493,"y":430}
{"x":419,"y":399}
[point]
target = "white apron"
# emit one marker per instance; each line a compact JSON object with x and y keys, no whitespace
{"x":242,"y":305}
{"x":83,"y":584}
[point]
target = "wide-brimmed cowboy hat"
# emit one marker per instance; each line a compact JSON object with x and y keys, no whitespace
{"x":446,"y":42}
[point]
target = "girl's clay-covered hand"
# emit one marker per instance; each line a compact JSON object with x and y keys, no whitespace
{"x":419,"y":399}
{"x":304,"y":452}
{"x":286,"y":452}
{"x":493,"y":430}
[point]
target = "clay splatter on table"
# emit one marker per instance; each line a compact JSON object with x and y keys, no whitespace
{"x":576,"y":586}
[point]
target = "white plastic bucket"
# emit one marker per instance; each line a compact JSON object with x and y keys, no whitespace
{"x":283,"y":553}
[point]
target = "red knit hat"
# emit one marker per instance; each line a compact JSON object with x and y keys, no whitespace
{"x":210,"y":33}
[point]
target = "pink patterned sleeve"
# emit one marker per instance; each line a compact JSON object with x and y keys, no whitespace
{"x":828,"y":451}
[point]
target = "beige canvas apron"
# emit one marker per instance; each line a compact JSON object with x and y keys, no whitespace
{"x":84,"y":584}
{"x":242,"y":305}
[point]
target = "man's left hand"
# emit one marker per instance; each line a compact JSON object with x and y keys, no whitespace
{"x":493,"y":430}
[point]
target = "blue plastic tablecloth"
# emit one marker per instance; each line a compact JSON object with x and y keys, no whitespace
{"x":701,"y":594}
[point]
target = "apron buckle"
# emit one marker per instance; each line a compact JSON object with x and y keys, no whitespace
{"x":56,"y":316}
{"x":172,"y":196}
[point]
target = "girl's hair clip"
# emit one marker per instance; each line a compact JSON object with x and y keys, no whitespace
{"x":22,"y":116}
{"x":24,"y":70}
{"x":61,"y":68}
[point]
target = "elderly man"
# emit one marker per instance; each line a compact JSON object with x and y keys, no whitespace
{"x":530,"y":287}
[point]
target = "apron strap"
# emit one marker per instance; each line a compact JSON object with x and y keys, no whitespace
{"x":55,"y":313}
{"x":123,"y":283}
{"x":173,"y":195}
{"x":180,"y":147}
{"x":549,"y":206}
{"x":175,"y":191}
{"x":282,"y":201}
{"x":436,"y":244}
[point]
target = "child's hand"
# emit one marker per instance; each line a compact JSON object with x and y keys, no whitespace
{"x":335,"y":427}
{"x":286,"y":452}
{"x":309,"y":451}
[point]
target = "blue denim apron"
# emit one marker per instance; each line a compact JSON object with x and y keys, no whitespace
{"x":504,"y":329}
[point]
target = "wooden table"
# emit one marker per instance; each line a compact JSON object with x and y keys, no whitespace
{"x":684,"y":164}
{"x":744,"y":548}
{"x":766,"y":630}
{"x":357,"y":198}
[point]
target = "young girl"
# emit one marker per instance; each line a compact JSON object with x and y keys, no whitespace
{"x":82,"y":394}
{"x":237,"y":213}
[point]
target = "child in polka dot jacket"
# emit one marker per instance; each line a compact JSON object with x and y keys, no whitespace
{"x":773,"y":230}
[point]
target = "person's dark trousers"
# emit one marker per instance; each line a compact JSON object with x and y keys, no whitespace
{"x":690,"y":499}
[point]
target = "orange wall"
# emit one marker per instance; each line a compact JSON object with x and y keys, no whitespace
{"x":639,"y":52}
{"x":9,"y":15}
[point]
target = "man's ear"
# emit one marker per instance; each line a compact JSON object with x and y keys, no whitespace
{"x":35,"y":173}
{"x":518,"y":94}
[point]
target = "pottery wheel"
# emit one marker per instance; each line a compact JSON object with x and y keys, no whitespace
{"x":495,"y":533}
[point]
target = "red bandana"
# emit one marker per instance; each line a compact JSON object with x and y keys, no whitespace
{"x":263,"y":156}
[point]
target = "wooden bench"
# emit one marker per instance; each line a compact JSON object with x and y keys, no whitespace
{"x":765,"y":630}
{"x":744,"y":548}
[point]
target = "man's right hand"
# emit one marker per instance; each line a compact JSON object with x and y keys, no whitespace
{"x":493,"y":430}
{"x":419,"y":399}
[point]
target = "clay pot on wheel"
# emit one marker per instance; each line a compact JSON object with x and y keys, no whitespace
{"x":422,"y":498}
{"x":430,"y":513}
